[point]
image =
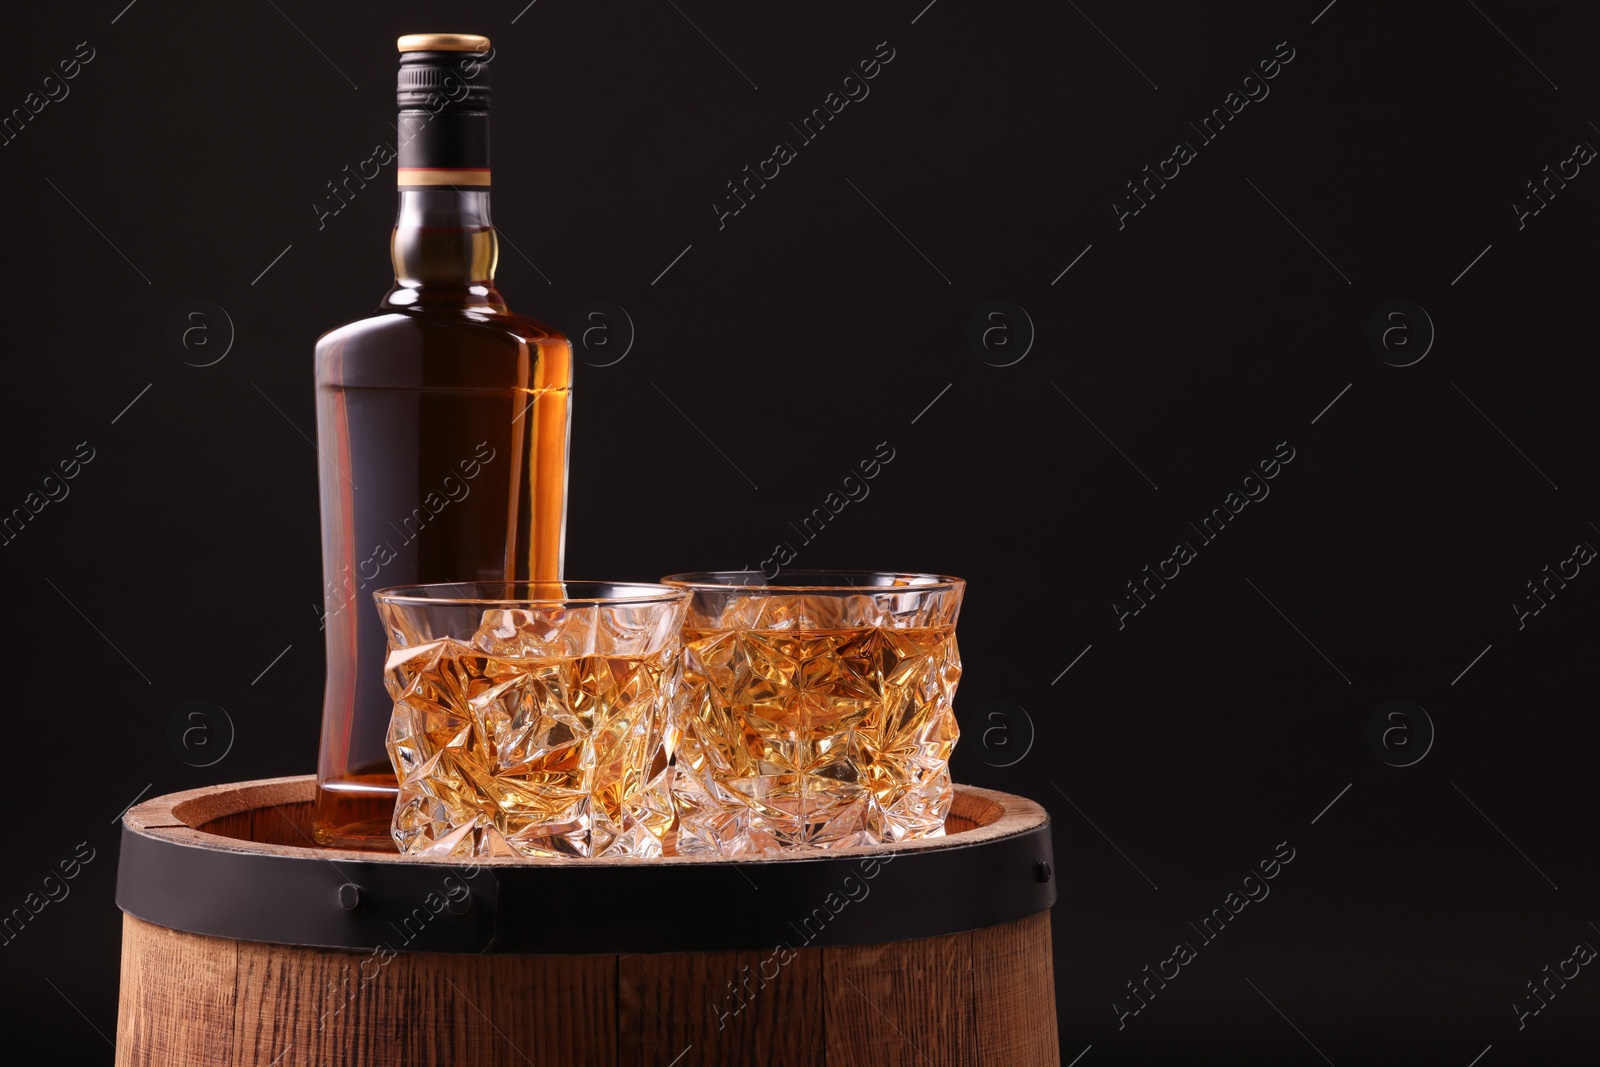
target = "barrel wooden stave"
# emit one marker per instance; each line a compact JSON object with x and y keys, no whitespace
{"x":1014,"y":992}
{"x":177,"y":997}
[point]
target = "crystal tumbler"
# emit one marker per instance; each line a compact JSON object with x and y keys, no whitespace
{"x":531,"y":718}
{"x":816,"y":711}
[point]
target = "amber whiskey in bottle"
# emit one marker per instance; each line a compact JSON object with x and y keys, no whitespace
{"x":442,"y":423}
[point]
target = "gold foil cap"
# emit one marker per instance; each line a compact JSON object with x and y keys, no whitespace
{"x":442,"y":42}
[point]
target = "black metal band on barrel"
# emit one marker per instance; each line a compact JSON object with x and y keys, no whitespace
{"x":584,"y":908}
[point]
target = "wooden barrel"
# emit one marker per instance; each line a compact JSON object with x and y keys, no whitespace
{"x":244,"y":944}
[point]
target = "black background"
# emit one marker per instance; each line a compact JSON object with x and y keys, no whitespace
{"x":1221,"y":720}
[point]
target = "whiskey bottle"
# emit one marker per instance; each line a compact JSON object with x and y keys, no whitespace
{"x":442,"y":424}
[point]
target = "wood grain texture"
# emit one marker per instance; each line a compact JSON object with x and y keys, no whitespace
{"x":1014,"y":993}
{"x":284,"y":824}
{"x":194,"y":1000}
{"x":901,"y":1004}
{"x":177,"y":1000}
{"x":982,"y":997}
{"x":728,"y":1009}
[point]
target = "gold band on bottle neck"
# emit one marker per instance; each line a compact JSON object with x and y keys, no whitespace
{"x":438,"y":177}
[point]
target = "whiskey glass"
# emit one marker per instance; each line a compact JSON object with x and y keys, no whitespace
{"x":816,"y":709}
{"x":531,"y":718}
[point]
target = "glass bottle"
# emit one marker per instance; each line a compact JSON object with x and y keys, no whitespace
{"x":442,"y":424}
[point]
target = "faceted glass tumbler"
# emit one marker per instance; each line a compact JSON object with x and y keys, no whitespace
{"x":531,"y":718}
{"x":815,"y":713}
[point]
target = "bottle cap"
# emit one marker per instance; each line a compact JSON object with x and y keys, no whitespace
{"x":443,"y":72}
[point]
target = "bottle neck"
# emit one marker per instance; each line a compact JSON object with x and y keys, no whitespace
{"x":444,"y":250}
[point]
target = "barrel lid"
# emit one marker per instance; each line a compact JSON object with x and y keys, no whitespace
{"x":993,"y":866}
